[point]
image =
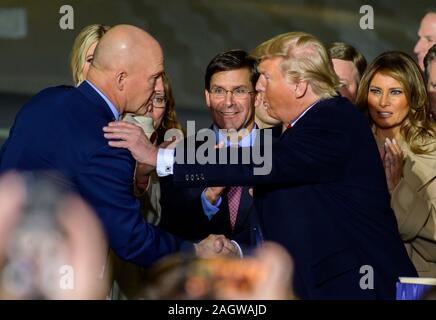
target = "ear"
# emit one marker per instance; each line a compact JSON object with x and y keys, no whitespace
{"x":300,"y":89}
{"x":207,"y":96}
{"x":121,"y":77}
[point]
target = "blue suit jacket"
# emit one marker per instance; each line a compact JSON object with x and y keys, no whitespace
{"x":61,"y":128}
{"x":326,"y":201}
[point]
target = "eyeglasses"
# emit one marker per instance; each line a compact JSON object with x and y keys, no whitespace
{"x":238,"y":93}
{"x":159,"y":101}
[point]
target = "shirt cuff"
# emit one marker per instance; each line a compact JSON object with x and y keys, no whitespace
{"x":165,"y":162}
{"x":209,"y":209}
{"x":238,"y":247}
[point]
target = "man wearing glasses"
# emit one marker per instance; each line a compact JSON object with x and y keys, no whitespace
{"x":230,"y":95}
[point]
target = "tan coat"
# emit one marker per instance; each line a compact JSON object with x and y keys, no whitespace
{"x":414,"y":204}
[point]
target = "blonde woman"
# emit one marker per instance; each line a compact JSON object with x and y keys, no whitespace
{"x":393,"y":92}
{"x":83,"y":50}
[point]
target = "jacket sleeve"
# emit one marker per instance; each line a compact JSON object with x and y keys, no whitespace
{"x":105,"y":181}
{"x":314,"y":153}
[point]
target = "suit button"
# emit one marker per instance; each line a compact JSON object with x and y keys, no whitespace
{"x":197,"y":177}
{"x":192,"y":177}
{"x":187,"y":177}
{"x":201,"y":177}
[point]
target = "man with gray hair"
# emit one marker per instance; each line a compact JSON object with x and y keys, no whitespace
{"x":326,"y":198}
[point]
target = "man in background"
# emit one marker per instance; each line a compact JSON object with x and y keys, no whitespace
{"x":427,"y":36}
{"x":349,"y":64}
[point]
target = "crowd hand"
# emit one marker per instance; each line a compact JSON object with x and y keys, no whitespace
{"x":142,"y":175}
{"x":269,"y":272}
{"x":122,"y":134}
{"x":258,"y":102}
{"x":393,"y":163}
{"x":214,"y":246}
{"x":213,"y":193}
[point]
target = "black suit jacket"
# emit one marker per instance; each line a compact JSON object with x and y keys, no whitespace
{"x":326,"y":201}
{"x":183,"y":213}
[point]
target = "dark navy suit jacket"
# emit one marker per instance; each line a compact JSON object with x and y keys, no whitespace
{"x":61,"y":129}
{"x":326,"y":201}
{"x":183,"y":213}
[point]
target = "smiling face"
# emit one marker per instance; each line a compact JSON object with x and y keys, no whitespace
{"x":387,"y":103}
{"x":230,"y":112}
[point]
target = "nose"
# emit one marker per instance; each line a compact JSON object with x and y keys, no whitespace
{"x":384,"y":100}
{"x":229,"y":98}
{"x":419,"y":47}
{"x":260,"y":84}
{"x":158,"y":85}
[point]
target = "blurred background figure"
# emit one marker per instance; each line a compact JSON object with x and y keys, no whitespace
{"x":393,"y":92}
{"x":426,"y":36}
{"x":267,"y":275}
{"x":82,"y":52}
{"x":52,"y":244}
{"x":430,"y":75}
{"x":349,"y":65}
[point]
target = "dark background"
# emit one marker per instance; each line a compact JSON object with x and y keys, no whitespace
{"x":34,"y":50}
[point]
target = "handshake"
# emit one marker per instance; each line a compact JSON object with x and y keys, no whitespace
{"x":215,"y":246}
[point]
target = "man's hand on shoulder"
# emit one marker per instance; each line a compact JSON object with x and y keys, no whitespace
{"x":122,"y":134}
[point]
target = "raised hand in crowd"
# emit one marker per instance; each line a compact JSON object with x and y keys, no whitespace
{"x":393,"y":163}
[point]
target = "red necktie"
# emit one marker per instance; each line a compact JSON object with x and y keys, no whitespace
{"x":153,"y":137}
{"x":234,"y":198}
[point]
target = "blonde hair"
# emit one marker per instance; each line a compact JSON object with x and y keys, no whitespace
{"x":417,"y":129}
{"x":304,"y":58}
{"x":87,"y":37}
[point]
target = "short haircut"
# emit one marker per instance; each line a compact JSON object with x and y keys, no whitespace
{"x":429,"y":57}
{"x":231,"y":60}
{"x":344,"y":51}
{"x":304,"y":58}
